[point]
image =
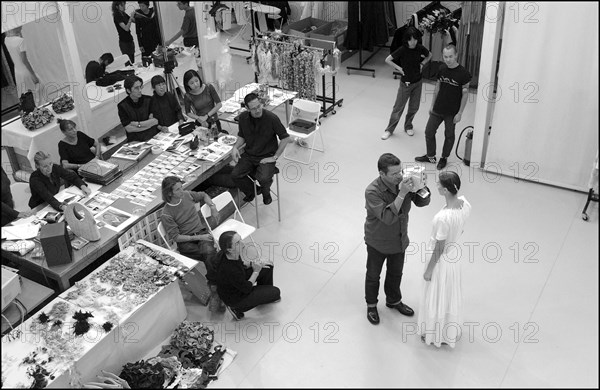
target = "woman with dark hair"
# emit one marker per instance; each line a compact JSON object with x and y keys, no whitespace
{"x":235,"y":281}
{"x":408,"y":60}
{"x":76,"y":149}
{"x":183,"y":225}
{"x":123,"y":24}
{"x":201,"y":100}
{"x":440,"y":310}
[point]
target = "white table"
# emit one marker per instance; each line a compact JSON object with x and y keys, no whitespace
{"x":140,"y":330}
{"x":105,"y":115}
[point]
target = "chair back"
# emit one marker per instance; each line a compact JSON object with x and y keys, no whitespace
{"x":306,"y":110}
{"x":221,"y":201}
{"x":163,"y":235}
{"x":21,"y":194}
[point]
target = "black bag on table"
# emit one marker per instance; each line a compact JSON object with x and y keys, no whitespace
{"x":27,"y":102}
{"x":113,"y":77}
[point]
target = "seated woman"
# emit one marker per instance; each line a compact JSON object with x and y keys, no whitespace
{"x":45,"y":182}
{"x":9,"y":213}
{"x":76,"y":149}
{"x":201,"y":100}
{"x":183,"y":225}
{"x":235,"y":281}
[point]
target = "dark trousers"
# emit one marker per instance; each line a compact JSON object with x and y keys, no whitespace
{"x":432,"y":125}
{"x":410,"y":94}
{"x":203,"y":251}
{"x":191,"y":41}
{"x":251,"y":165}
{"x":129,"y":49}
{"x":393,"y":276}
{"x":264,"y":291}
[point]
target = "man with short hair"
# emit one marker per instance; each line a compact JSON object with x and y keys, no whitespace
{"x":134,"y":112}
{"x":164,"y":105}
{"x":449,"y":101}
{"x":188,"y":27}
{"x":259,"y":130}
{"x":388,"y":202}
{"x":96,"y":69}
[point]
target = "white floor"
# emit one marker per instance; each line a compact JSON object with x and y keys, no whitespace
{"x":530,"y":284}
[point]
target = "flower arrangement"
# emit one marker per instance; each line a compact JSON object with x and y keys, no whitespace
{"x":437,"y":21}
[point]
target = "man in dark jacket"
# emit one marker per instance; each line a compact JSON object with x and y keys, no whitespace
{"x":388,"y":202}
{"x":164,"y":105}
{"x":96,"y":69}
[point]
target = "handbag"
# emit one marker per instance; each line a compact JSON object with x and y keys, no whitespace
{"x":27,"y":102}
{"x":186,"y":128}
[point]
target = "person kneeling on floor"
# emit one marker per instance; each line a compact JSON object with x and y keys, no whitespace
{"x":235,"y":280}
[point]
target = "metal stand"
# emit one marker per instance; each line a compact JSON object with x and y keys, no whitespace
{"x":326,"y":99}
{"x":592,"y":197}
{"x":360,"y":61}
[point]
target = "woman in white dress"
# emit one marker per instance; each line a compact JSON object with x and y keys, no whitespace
{"x":440,"y":311}
{"x":25,"y":77}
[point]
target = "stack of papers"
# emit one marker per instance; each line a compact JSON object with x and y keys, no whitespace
{"x":213,"y":152}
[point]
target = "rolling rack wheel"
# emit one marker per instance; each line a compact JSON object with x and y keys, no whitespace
{"x":592,"y":197}
{"x":333,"y":112}
{"x":584,"y":216}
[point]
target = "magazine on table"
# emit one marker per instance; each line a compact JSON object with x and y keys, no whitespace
{"x":213,"y":152}
{"x":114,"y":219}
{"x":133,"y":151}
{"x":99,"y":202}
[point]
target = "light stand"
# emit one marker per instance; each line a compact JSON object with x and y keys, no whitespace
{"x":171,"y":81}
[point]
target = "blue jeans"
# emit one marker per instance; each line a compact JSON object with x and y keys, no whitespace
{"x":393,"y":276}
{"x":432,"y":125}
{"x":412,"y":94}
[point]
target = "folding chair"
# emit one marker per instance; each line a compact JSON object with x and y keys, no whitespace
{"x":239,"y":226}
{"x":276,"y":193}
{"x":163,"y":235}
{"x":304,"y":123}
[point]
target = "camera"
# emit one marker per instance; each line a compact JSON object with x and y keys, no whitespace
{"x":417,"y":173}
{"x":169,"y":66}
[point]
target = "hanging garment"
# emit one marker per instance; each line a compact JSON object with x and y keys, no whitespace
{"x":372,"y":26}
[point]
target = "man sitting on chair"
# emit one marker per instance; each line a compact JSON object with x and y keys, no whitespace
{"x":259,"y":130}
{"x":182,"y":222}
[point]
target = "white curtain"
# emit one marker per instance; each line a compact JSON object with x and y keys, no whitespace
{"x":545,"y":121}
{"x":95,"y":34}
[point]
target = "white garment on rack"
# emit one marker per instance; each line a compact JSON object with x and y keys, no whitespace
{"x":23,"y":77}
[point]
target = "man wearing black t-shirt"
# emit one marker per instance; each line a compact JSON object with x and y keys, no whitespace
{"x":449,"y":101}
{"x":409,"y":60}
{"x":134,"y":112}
{"x":259,"y":130}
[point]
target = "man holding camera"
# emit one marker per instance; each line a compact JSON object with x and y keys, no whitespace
{"x":388,"y":202}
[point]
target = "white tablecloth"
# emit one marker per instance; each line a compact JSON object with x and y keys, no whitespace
{"x":105,"y":115}
{"x":139,"y":332}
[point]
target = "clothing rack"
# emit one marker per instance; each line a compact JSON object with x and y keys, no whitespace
{"x":325,"y":52}
{"x":360,"y":61}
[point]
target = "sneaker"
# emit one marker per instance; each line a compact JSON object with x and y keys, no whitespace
{"x":442,"y":163}
{"x":410,"y":132}
{"x":386,"y":134}
{"x":237,"y":315}
{"x":248,"y":198}
{"x":426,"y":159}
{"x":373,"y":315}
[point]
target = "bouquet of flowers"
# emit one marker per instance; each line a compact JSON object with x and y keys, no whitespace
{"x":37,"y":118}
{"x":63,"y":104}
{"x":438,"y":21}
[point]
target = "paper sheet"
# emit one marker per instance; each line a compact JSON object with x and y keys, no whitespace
{"x":20,"y":232}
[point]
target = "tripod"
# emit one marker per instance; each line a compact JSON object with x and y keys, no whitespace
{"x":171,"y":81}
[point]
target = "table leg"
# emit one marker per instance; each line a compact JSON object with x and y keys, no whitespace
{"x":63,"y":284}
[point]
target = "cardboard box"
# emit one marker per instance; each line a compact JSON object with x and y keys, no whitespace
{"x":304,"y":26}
{"x":332,"y":31}
{"x":56,"y":244}
{"x":11,"y":286}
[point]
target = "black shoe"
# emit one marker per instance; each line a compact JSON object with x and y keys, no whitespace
{"x":248,"y":198}
{"x":442,"y":163}
{"x":237,"y":315}
{"x":402,"y":308}
{"x":373,"y":315}
{"x":425,"y":159}
{"x":267,"y":199}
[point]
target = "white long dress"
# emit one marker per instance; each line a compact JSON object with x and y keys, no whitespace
{"x":440,"y":307}
{"x":23,"y":77}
